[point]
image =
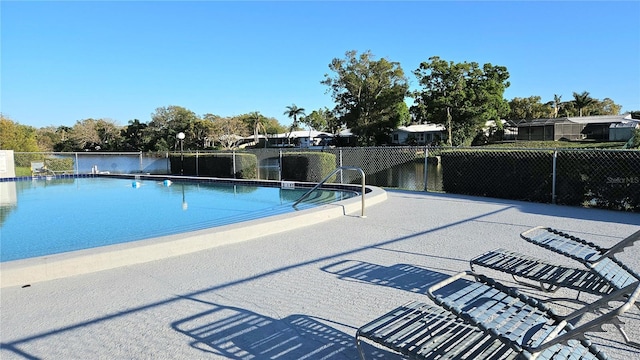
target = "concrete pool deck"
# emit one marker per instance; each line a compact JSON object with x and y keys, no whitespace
{"x":301,"y":293}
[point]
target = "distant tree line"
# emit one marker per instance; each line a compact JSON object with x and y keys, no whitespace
{"x":201,"y":132}
{"x":370,"y":99}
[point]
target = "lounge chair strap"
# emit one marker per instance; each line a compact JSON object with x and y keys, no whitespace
{"x":538,"y":270}
{"x":421,"y":331}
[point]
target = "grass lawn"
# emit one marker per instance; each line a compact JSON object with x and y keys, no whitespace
{"x":23,"y":171}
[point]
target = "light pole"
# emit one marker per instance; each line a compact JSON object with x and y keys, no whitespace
{"x":185,"y":206}
{"x":180,"y":137}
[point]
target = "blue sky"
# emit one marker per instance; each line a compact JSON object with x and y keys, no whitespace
{"x":64,"y":61}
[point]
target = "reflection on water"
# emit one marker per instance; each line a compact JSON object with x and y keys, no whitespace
{"x":71,"y":214}
{"x":8,"y":193}
{"x":8,"y":199}
{"x":269,"y":169}
{"x":407,"y":176}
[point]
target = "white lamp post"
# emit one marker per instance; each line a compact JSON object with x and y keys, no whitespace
{"x":180,"y":136}
{"x":185,"y":206}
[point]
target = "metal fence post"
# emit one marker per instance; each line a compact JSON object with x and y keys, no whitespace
{"x":279,"y":165}
{"x":197,"y":172}
{"x":426,"y":168}
{"x":77,"y":166}
{"x":233,"y":155}
{"x":341,"y":178}
{"x":141,"y":167}
{"x":553,"y":177}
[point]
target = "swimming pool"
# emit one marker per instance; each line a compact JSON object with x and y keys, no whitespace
{"x":62,"y":215}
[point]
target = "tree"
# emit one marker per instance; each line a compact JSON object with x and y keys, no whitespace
{"x":556,"y":103}
{"x":257,"y":122}
{"x":17,"y":137}
{"x":402,"y":112}
{"x":134,"y":136}
{"x":604,"y":107}
{"x":634,"y":142}
{"x":202,"y":130}
{"x":293,"y":112}
{"x":65,"y":144}
{"x":166,"y":123}
{"x":227,"y":131}
{"x":582,"y":100}
{"x":95,"y":135}
{"x":489,"y":93}
{"x":366,"y":93}
{"x":322,"y":120}
{"x":272,"y":126}
{"x":568,"y":109}
{"x":109,"y":135}
{"x":47,"y":138}
{"x":462,"y":96}
{"x":84,"y":135}
{"x":528,"y":108}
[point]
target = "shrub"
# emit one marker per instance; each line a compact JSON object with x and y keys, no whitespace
{"x":308,"y":166}
{"x":217,"y":165}
{"x":608,"y":180}
{"x":59,"y":164}
{"x":499,"y":174}
{"x":24,"y":159}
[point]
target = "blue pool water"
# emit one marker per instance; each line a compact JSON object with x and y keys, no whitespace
{"x":60,"y":215}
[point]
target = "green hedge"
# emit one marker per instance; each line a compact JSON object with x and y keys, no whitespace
{"x":52,"y":163}
{"x":308,"y":166}
{"x":25,"y":159}
{"x":507,"y":175}
{"x":217,"y":165}
{"x":608,"y":180}
{"x":59,"y":164}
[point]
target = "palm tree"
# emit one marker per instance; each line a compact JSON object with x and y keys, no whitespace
{"x":582,"y":100}
{"x":258,"y":123}
{"x":293,"y":112}
{"x":557,"y":100}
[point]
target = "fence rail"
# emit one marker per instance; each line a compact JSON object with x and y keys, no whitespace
{"x":579,"y":177}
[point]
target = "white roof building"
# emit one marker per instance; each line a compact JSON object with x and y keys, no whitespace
{"x":421,"y":134}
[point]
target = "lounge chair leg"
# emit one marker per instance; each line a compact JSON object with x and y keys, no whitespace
{"x":618,"y":326}
{"x":359,"y":347}
{"x":548,"y":288}
{"x":542,"y":287}
{"x":626,"y":338}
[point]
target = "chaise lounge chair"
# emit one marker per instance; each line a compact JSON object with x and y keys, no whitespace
{"x":578,"y":249}
{"x":602,"y":273}
{"x":37,"y":167}
{"x":483,"y":319}
{"x":602,"y":279}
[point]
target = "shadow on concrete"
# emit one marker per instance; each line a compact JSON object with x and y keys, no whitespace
{"x":233,"y":331}
{"x":241,"y":334}
{"x":400,"y":276}
{"x":548,"y":209}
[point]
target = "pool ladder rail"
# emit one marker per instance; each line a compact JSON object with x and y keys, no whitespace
{"x":328,"y":177}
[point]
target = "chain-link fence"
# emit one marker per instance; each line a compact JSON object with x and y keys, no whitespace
{"x":100,"y":162}
{"x":598,"y":178}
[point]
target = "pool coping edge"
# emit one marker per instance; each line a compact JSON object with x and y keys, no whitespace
{"x":28,"y":271}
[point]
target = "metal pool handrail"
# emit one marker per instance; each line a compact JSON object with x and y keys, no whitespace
{"x":327,"y":178}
